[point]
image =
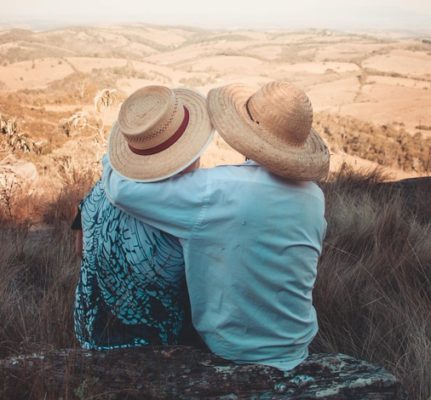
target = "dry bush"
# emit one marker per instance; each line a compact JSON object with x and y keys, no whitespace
{"x":11,"y":137}
{"x":20,"y":204}
{"x":373,"y":293}
{"x":423,"y":127}
{"x":37,"y":125}
{"x":16,"y":203}
{"x":75,"y":186}
{"x":82,"y":121}
{"x":104,"y":99}
{"x":80,"y":88}
{"x":388,"y":145}
{"x":74,"y":123}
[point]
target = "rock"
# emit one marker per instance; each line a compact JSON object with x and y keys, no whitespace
{"x":181,"y":372}
{"x":416,"y":193}
{"x":21,"y":171}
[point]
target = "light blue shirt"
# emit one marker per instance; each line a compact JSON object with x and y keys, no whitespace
{"x":251,"y":244}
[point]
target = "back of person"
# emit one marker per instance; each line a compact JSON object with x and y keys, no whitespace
{"x":131,"y":290}
{"x":251,"y":242}
{"x":251,"y":238}
{"x":250,"y":276}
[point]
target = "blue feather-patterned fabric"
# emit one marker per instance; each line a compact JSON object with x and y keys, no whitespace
{"x":131,"y":288}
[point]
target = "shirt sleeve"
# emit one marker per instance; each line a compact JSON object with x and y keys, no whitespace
{"x":174,"y":205}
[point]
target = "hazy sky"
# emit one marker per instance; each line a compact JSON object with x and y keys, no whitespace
{"x":401,"y":14}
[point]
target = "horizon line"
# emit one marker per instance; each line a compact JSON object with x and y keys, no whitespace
{"x":40,"y":24}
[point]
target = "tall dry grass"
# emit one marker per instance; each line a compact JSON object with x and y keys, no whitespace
{"x":373,"y":292}
{"x":39,"y":271}
{"x":38,"y":266}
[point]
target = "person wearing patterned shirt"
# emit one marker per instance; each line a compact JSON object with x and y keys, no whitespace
{"x":131,"y":289}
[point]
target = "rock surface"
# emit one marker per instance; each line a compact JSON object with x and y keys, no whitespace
{"x":181,"y":372}
{"x":13,"y":169}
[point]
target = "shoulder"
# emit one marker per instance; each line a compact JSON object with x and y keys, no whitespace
{"x":224,"y":173}
{"x":309,"y":188}
{"x":309,"y":194}
{"x":254,"y":174}
{"x":306,"y":188}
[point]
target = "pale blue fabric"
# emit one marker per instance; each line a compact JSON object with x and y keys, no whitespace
{"x":251,"y":244}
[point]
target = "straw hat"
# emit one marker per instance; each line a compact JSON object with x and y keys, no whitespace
{"x":159,"y":132}
{"x":272,"y":127}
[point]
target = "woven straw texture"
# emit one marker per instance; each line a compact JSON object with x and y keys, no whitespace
{"x":154,"y":116}
{"x":272,"y":126}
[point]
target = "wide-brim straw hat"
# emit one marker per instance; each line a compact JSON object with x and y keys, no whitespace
{"x":272,"y":126}
{"x":159,"y":133}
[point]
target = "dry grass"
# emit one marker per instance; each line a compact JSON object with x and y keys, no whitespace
{"x":19,"y":205}
{"x":39,"y":267}
{"x":39,"y":271}
{"x":373,"y":292}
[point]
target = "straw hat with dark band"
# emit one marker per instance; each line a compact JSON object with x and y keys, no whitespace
{"x":159,"y":132}
{"x":272,"y":127}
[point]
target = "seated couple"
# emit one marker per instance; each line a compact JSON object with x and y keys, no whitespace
{"x":239,"y":243}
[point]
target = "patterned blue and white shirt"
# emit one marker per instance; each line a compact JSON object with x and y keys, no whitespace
{"x":131,"y":289}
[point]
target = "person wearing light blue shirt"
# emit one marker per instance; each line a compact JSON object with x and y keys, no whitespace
{"x":251,"y":242}
{"x":252,"y":233}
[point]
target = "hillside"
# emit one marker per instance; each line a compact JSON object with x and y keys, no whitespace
{"x":371,"y":95}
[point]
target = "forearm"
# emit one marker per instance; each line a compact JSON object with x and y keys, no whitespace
{"x":172,"y":205}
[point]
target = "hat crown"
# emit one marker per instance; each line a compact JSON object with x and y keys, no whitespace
{"x":283,"y":109}
{"x":150,"y":116}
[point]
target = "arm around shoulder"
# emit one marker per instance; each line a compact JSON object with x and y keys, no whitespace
{"x":172,"y":205}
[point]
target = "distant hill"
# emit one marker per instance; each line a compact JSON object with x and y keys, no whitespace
{"x":371,"y":94}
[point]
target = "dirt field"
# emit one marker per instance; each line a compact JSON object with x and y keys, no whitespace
{"x":371,"y":95}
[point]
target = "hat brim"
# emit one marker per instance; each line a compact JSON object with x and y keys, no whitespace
{"x":228,"y":113}
{"x":187,"y":149}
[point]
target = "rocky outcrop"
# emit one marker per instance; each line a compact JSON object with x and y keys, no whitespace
{"x":13,"y":169}
{"x":181,"y":372}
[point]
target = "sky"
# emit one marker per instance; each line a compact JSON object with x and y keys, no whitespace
{"x":332,"y":14}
